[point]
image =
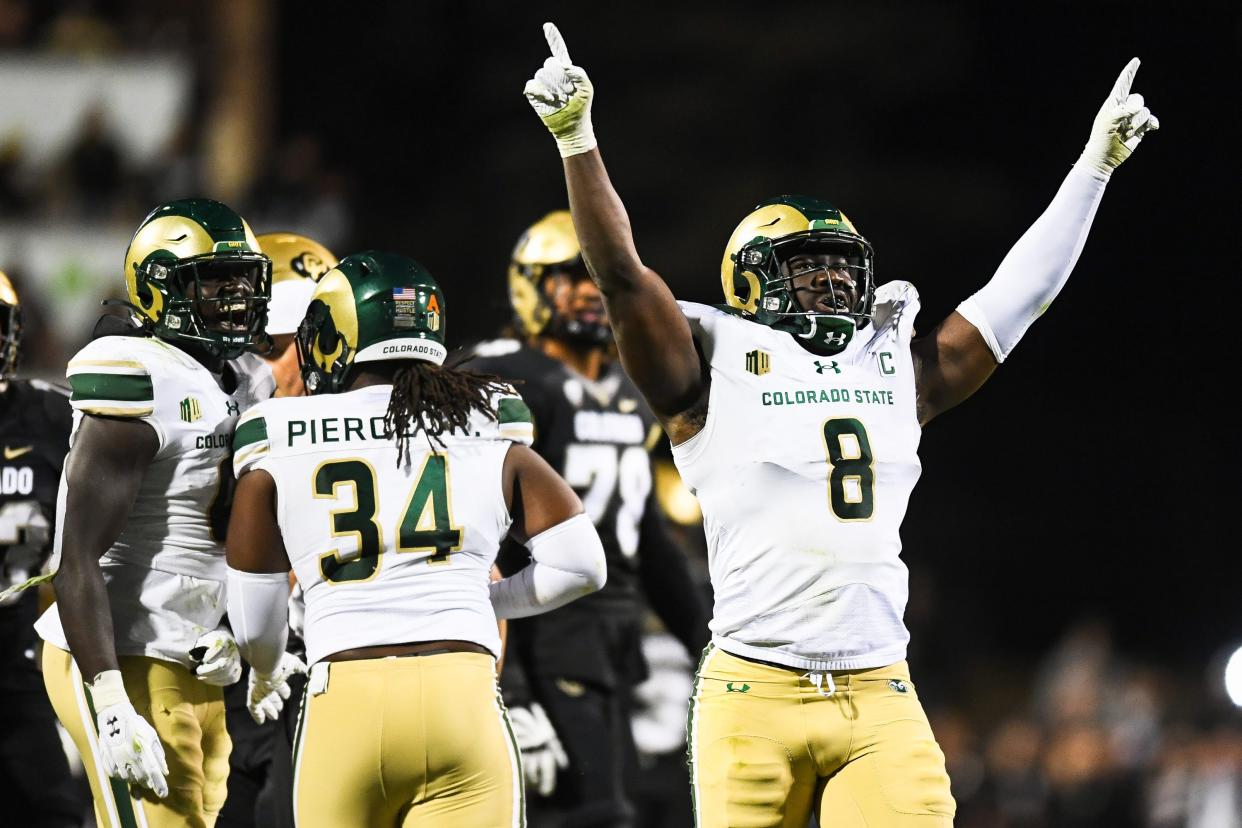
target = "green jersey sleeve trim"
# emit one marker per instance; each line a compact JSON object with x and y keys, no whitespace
{"x":114,"y":395}
{"x":512,"y":410}
{"x":250,"y":442}
{"x":514,"y":421}
{"x":249,"y":433}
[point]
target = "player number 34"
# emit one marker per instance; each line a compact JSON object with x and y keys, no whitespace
{"x":426,"y":522}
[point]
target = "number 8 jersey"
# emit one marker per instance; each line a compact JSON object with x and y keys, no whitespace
{"x":385,"y":553}
{"x":803,"y":469}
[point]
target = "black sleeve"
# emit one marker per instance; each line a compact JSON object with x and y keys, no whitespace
{"x":668,"y":583}
{"x":514,"y":686}
{"x":59,"y":414}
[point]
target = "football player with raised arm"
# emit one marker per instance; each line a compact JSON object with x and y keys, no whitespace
{"x":35,"y":420}
{"x":387,"y":492}
{"x":134,"y":657}
{"x":568,"y":675}
{"x":795,"y":412}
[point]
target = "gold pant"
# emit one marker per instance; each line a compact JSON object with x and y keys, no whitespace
{"x":767,"y":747}
{"x":187,"y":714}
{"x":420,"y":740}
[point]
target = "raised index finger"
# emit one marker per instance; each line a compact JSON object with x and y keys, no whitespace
{"x":1121,"y":89}
{"x":556,"y":43}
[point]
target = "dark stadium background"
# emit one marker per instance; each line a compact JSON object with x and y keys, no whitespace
{"x":1087,"y":494}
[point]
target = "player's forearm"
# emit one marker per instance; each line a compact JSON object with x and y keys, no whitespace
{"x":567,"y":563}
{"x":602,"y":225}
{"x":86,"y":615}
{"x":259,"y":615}
{"x":1037,"y":267}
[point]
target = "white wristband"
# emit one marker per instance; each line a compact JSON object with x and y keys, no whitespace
{"x":580,"y":141}
{"x":108,"y":689}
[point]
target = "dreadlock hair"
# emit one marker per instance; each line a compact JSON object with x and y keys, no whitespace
{"x":435,"y":400}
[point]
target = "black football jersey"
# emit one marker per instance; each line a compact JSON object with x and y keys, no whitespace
{"x":35,"y":422}
{"x":597,"y":435}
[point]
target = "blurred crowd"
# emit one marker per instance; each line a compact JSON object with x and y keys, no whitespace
{"x":96,"y":185}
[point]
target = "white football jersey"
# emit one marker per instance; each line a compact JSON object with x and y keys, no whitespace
{"x":385,"y":553}
{"x":165,"y":573}
{"x":803,"y":469}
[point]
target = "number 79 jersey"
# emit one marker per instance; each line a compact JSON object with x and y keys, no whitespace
{"x":803,"y":469}
{"x":385,"y":553}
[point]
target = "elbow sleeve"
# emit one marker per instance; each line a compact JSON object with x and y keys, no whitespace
{"x":567,"y":563}
{"x":1037,"y":267}
{"x":259,"y":615}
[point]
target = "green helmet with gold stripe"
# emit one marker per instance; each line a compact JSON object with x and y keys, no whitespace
{"x":194,"y":274}
{"x":757,"y":285}
{"x":372,"y":306}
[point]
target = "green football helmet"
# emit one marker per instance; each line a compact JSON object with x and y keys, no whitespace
{"x":372,"y":306}
{"x":180,"y":246}
{"x":756,"y":285}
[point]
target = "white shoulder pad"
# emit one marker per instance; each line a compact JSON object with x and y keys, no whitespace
{"x":255,"y":380}
{"x":250,"y":441}
{"x":112,"y":377}
{"x":703,"y":320}
{"x":513,"y":419}
{"x":896,"y":305}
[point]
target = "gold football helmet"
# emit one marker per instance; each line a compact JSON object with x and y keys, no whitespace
{"x":298,"y":263}
{"x":547,"y":248}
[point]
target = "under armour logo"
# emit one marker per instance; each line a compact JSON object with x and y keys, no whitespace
{"x":113,"y":730}
{"x":729,"y":688}
{"x":898,"y":685}
{"x":233,"y":408}
{"x":821,"y":367}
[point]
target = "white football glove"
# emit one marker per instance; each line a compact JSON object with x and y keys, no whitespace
{"x":129,"y":748}
{"x":1120,"y":124}
{"x":560,"y":94}
{"x":542,"y":753}
{"x":268,"y":692}
{"x":219,"y":660}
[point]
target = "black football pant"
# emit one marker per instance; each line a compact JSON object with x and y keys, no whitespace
{"x":261,"y":764}
{"x":35,"y":782}
{"x":593,"y":724}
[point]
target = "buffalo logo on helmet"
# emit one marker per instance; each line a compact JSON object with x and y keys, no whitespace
{"x":309,"y":266}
